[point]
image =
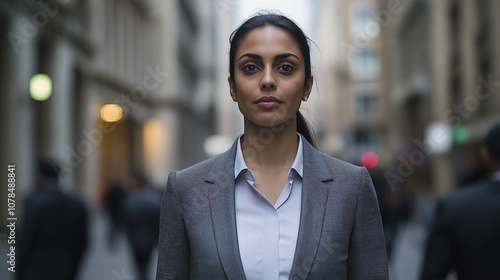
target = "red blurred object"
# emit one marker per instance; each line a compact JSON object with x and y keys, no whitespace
{"x":369,"y":159}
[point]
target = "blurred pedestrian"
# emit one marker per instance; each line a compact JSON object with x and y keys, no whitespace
{"x":115,"y":195}
{"x":395,"y":208}
{"x":466,"y":231}
{"x":141,"y":216}
{"x":54,"y":232}
{"x":273,"y":206}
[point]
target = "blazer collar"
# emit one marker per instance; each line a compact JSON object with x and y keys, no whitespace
{"x":314,"y":196}
{"x":221,"y":199}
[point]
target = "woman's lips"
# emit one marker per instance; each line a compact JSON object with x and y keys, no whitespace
{"x":268,"y":102}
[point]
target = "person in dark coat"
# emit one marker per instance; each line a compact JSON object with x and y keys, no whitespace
{"x":466,"y":233}
{"x":54,"y":231}
{"x":115,"y":195}
{"x":141,"y":216}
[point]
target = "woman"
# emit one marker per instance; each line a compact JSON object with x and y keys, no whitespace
{"x":272,"y":207}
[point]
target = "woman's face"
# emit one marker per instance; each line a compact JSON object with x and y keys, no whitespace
{"x":269,"y":77}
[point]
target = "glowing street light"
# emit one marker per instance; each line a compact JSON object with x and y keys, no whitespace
{"x":40,"y":87}
{"x":369,"y":159}
{"x":111,"y":112}
{"x":439,"y":136}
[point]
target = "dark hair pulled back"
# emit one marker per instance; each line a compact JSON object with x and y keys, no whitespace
{"x":264,"y":19}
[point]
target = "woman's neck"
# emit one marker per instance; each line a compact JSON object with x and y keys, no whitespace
{"x":268,"y":148}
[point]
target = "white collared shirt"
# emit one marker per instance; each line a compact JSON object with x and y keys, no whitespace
{"x":267,"y":234}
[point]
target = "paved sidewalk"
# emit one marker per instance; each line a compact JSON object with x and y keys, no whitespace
{"x":103,"y":263}
{"x":100,"y":263}
{"x":408,"y":252}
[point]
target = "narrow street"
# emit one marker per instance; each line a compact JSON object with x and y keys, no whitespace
{"x":102,"y":262}
{"x":408,"y":250}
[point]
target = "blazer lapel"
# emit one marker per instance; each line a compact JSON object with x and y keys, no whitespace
{"x":314,"y":197}
{"x":221,"y":197}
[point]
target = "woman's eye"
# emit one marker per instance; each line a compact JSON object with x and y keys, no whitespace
{"x":286,"y":68}
{"x":250,"y":68}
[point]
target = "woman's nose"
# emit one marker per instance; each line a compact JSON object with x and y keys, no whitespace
{"x":268,"y":82}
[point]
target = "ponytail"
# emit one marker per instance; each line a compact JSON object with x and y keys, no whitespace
{"x":303,"y":128}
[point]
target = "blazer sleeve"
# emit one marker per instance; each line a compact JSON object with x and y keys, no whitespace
{"x":367,"y":250}
{"x":437,"y":260}
{"x":173,"y":243}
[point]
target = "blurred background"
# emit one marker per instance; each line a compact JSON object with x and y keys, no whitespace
{"x":121,"y":92}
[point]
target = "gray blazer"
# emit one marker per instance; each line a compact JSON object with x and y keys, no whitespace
{"x":340,"y":234}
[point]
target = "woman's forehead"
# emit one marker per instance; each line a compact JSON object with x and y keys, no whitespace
{"x":268,"y":40}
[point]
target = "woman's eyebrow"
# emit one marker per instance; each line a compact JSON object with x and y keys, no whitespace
{"x":285,"y":55}
{"x":277,"y":57}
{"x":251,"y":55}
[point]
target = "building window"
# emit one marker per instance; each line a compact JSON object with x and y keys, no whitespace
{"x":365,"y":64}
{"x":364,"y":140}
{"x":366,"y":103}
{"x":364,"y":24}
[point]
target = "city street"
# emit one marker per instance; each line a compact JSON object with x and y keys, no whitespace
{"x":408,"y":249}
{"x":102,"y":263}
{"x":102,"y":100}
{"x":99,"y":262}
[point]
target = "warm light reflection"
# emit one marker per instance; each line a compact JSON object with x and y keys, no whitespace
{"x":111,"y":112}
{"x":155,"y":148}
{"x":40,"y":87}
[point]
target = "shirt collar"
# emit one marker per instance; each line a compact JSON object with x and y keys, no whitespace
{"x":240,"y":165}
{"x":239,"y":161}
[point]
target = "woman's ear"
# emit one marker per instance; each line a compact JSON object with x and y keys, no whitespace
{"x":307,"y":88}
{"x":232,"y":89}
